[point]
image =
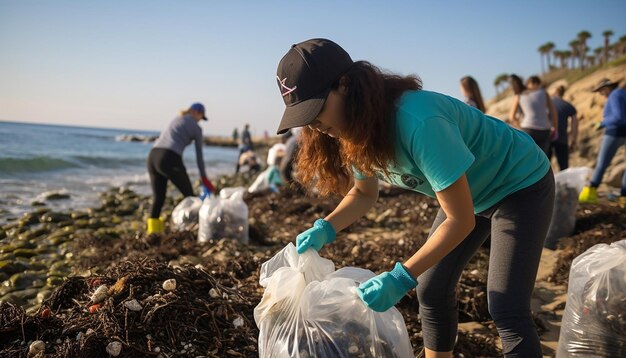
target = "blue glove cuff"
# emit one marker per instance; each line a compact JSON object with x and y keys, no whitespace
{"x":329,"y":230}
{"x":405,"y":279}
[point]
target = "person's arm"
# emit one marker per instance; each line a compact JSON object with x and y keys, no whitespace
{"x":456,"y":203}
{"x":612,"y":112}
{"x":513,"y":112}
{"x":574,"y":133}
{"x":552,"y":113}
{"x":199,"y":141}
{"x":355,"y":204}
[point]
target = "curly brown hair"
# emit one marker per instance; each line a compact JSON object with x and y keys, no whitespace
{"x":327,"y":163}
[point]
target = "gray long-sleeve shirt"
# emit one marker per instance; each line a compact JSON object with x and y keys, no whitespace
{"x":179,"y":134}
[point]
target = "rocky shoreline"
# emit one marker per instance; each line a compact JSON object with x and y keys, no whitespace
{"x":52,"y":262}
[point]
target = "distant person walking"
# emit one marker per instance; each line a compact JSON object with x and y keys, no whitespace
{"x":614,"y":122}
{"x":235,"y":135}
{"x":539,"y":115}
{"x":165,"y":161}
{"x":471,"y":92}
{"x":562,"y":146}
{"x":245,"y":146}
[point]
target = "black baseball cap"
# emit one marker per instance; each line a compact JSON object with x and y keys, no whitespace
{"x":305,"y":76}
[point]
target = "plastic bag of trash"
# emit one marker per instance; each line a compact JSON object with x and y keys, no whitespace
{"x":269,"y":179}
{"x":310,"y":310}
{"x":275,"y":154}
{"x":569,"y":183}
{"x":594,"y":322}
{"x":185,"y":214}
{"x":224,"y":216}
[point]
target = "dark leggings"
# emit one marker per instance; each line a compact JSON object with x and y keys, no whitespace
{"x":541,"y":137}
{"x":561,"y":150}
{"x":518,"y":225}
{"x":164,"y":165}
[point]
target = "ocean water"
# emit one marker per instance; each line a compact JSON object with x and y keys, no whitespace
{"x":37,"y":159}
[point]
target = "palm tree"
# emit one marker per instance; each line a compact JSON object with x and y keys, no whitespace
{"x":567,"y":54}
{"x":558,"y":55}
{"x":598,"y":52}
{"x":574,"y":45}
{"x":607,"y":34}
{"x":583,"y":36}
{"x":549,"y":47}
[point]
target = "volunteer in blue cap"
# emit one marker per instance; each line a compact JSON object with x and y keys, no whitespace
{"x":360,"y":124}
{"x":165,"y":161}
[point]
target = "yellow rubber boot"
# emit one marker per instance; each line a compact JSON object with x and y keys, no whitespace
{"x":588,"y":195}
{"x":155,"y":226}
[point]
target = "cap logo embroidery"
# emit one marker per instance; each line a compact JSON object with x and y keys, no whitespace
{"x":283,"y":87}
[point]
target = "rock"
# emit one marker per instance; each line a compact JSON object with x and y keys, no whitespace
{"x":29,"y":219}
{"x":114,"y":348}
{"x":169,"y":285}
{"x":36,"y":348}
{"x":20,"y":281}
{"x":42,"y":295}
{"x":56,"y":196}
{"x":79,"y":215}
{"x":54,"y":217}
{"x":28,"y":253}
{"x":133,"y":305}
{"x":37,"y":203}
{"x":13,"y":267}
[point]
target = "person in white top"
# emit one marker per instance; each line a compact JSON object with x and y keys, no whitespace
{"x":539,"y":119}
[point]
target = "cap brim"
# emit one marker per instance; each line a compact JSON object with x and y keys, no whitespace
{"x":302,"y":114}
{"x":205,"y":118}
{"x":598,"y":88}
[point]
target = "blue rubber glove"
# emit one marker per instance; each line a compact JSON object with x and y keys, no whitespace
{"x":382,"y":292}
{"x":205,"y":193}
{"x":321,"y":233}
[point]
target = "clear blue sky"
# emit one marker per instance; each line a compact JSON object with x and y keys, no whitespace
{"x":135,"y":64}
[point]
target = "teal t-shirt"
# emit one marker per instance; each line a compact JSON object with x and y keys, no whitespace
{"x":438,"y":138}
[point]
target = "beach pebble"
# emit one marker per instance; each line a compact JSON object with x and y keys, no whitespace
{"x":100,"y":294}
{"x":133,"y":305}
{"x":114,"y":348}
{"x":169,"y":285}
{"x":353,"y":349}
{"x":36,"y":347}
{"x":213,"y":293}
{"x":238,"y":322}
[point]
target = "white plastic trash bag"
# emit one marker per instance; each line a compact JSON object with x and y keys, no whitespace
{"x":594,"y":322}
{"x":569,"y":183}
{"x":269,"y":179}
{"x":225,"y":216}
{"x":310,"y":310}
{"x":185,"y":214}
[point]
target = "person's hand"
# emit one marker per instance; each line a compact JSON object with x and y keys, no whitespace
{"x":598,"y":125}
{"x":205,"y":193}
{"x":321,"y":233}
{"x":382,"y":292}
{"x":554,"y":134}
